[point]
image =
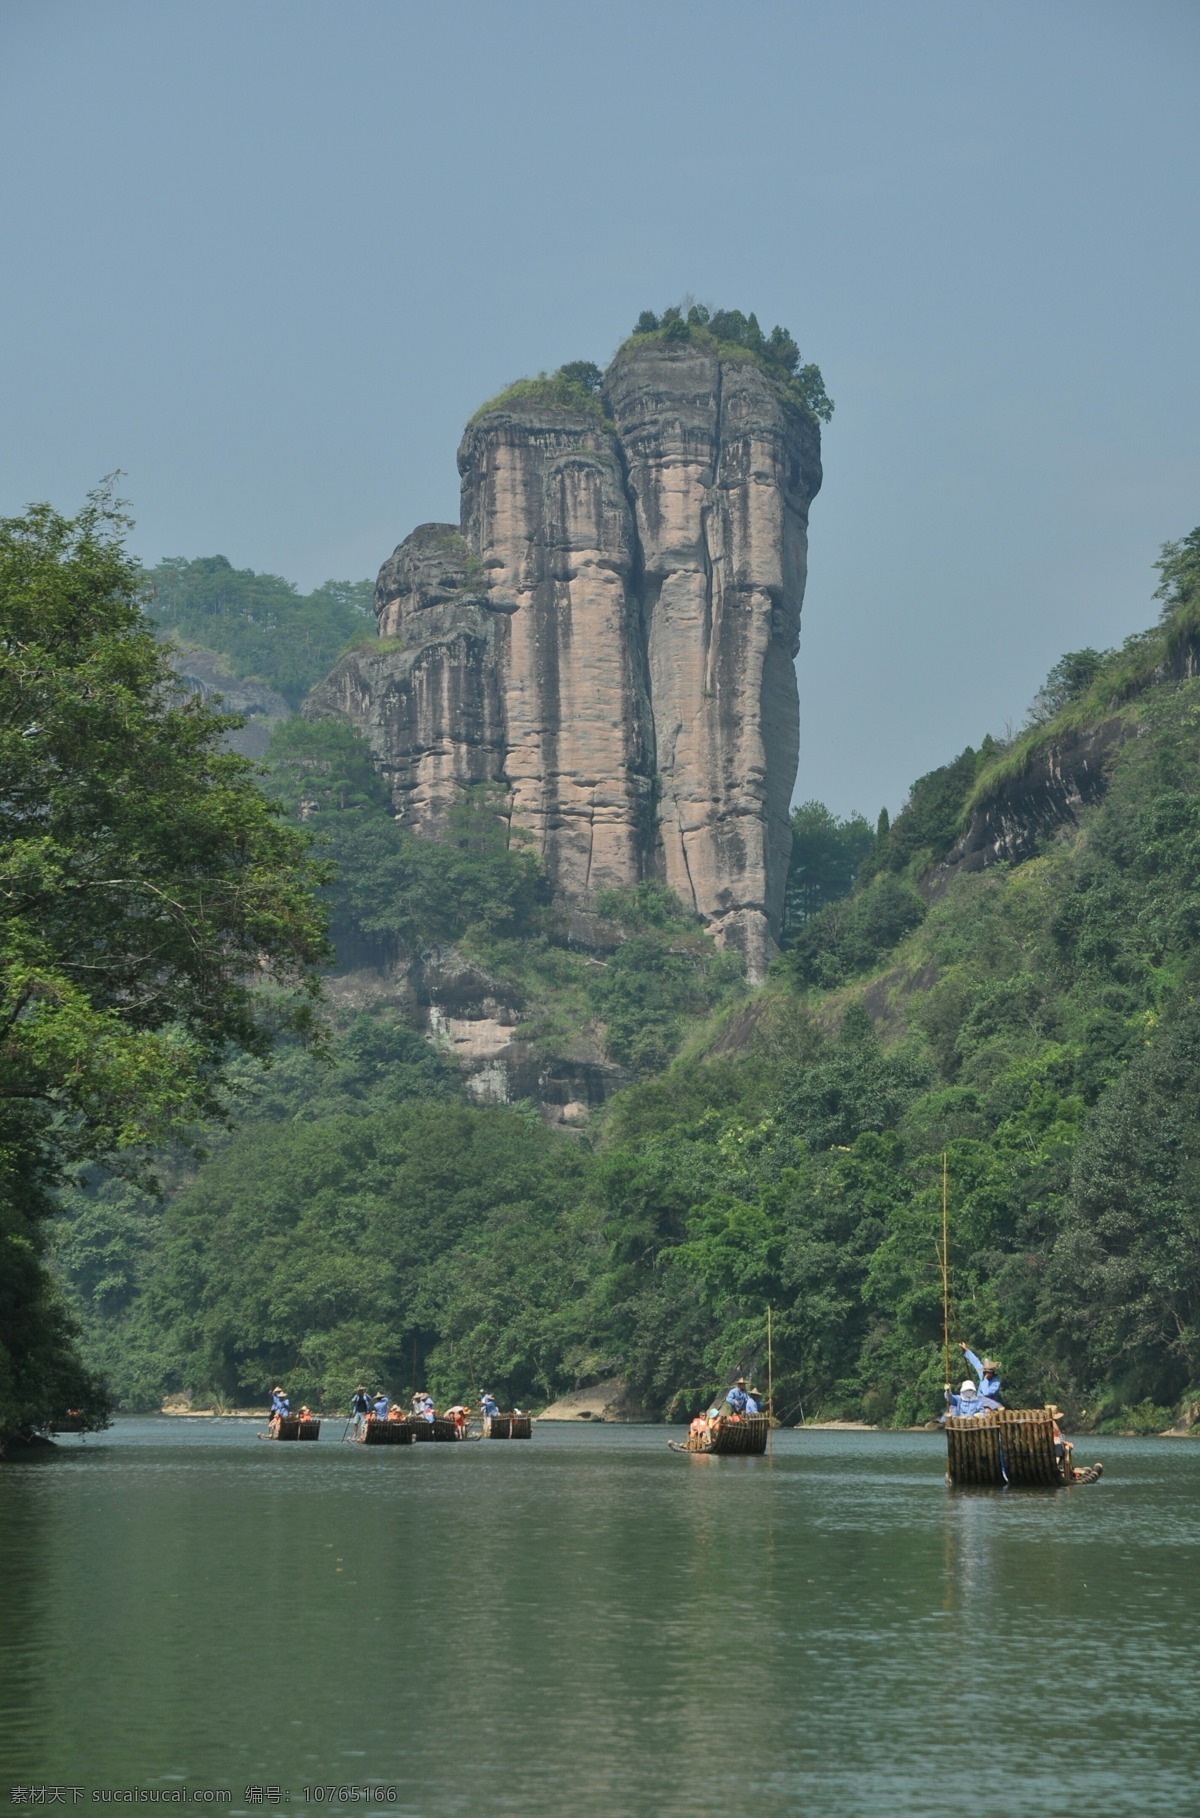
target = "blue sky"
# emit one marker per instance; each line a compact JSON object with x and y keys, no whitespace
{"x":267,"y":258}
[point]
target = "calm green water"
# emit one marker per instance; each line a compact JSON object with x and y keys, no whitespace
{"x":589,"y":1624}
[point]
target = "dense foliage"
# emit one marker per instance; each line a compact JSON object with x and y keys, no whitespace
{"x":827,"y":853}
{"x":1036,"y":1025}
{"x":263,"y":625}
{"x":147,"y":893}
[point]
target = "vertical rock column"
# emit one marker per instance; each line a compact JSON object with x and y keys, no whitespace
{"x":721,"y":466}
{"x":545,"y":513}
{"x":426,"y":698}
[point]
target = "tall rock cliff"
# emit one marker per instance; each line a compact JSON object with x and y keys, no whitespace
{"x":722,"y":466}
{"x":610,"y":633}
{"x":544,"y":511}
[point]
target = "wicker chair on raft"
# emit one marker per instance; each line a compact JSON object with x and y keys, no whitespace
{"x":1012,"y":1446}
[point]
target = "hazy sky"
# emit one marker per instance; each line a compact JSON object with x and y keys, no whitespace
{"x":267,"y":258}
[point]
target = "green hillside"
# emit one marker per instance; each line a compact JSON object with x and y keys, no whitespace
{"x":261,"y":624}
{"x":1036,"y":1022}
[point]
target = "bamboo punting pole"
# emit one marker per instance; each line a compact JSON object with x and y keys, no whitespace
{"x":945,"y":1283}
{"x":770,"y":1389}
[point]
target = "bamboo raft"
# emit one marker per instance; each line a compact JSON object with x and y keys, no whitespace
{"x":295,"y":1428}
{"x":385,"y":1433}
{"x":508,"y":1426}
{"x":1010,"y":1446}
{"x":437,"y":1428}
{"x":747,"y":1436}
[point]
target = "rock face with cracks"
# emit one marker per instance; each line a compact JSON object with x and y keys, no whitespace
{"x":610,"y":635}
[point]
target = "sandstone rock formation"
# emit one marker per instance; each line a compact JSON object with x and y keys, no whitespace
{"x":610,"y":634}
{"x":722,"y":466}
{"x":206,"y":674}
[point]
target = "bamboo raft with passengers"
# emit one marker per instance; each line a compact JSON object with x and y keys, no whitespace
{"x":384,"y":1433}
{"x":508,"y":1426}
{"x":1017,"y":1446}
{"x":988,"y":1444}
{"x":441,"y":1427}
{"x":729,"y":1436}
{"x":291,"y":1426}
{"x":740,"y":1429}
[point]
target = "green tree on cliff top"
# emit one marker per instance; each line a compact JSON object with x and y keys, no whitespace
{"x":778,"y":351}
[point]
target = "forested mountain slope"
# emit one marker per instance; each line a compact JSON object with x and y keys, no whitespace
{"x":1030,"y":1010}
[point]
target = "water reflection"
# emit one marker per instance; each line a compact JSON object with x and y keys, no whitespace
{"x":591,"y":1624}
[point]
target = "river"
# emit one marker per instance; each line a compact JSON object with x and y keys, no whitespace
{"x":590,"y":1625}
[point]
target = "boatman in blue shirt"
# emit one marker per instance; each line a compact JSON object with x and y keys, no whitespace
{"x":360,"y":1407}
{"x":989,"y":1378}
{"x":379,"y":1407}
{"x":737,"y":1397}
{"x":489,"y":1405}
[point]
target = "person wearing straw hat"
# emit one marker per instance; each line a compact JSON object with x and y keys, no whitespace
{"x":988,"y":1373}
{"x":360,"y":1407}
{"x":737,"y":1397}
{"x":1062,"y":1447}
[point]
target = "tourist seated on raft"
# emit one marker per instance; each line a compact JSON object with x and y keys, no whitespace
{"x":360,"y":1407}
{"x":989,"y":1378}
{"x":306,"y":1412}
{"x":1062,"y":1447}
{"x":966,"y":1402}
{"x":396,"y":1412}
{"x":699,"y":1427}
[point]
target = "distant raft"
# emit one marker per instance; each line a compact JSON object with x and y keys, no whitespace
{"x":1010,"y":1446}
{"x":508,"y":1426}
{"x":384,"y":1433}
{"x":729,"y":1437}
{"x":292,"y":1427}
{"x":440,"y":1427}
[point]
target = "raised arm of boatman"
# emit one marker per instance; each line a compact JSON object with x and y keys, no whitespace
{"x":974,"y":1362}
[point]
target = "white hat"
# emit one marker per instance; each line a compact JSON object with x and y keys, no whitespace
{"x":968,"y":1387}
